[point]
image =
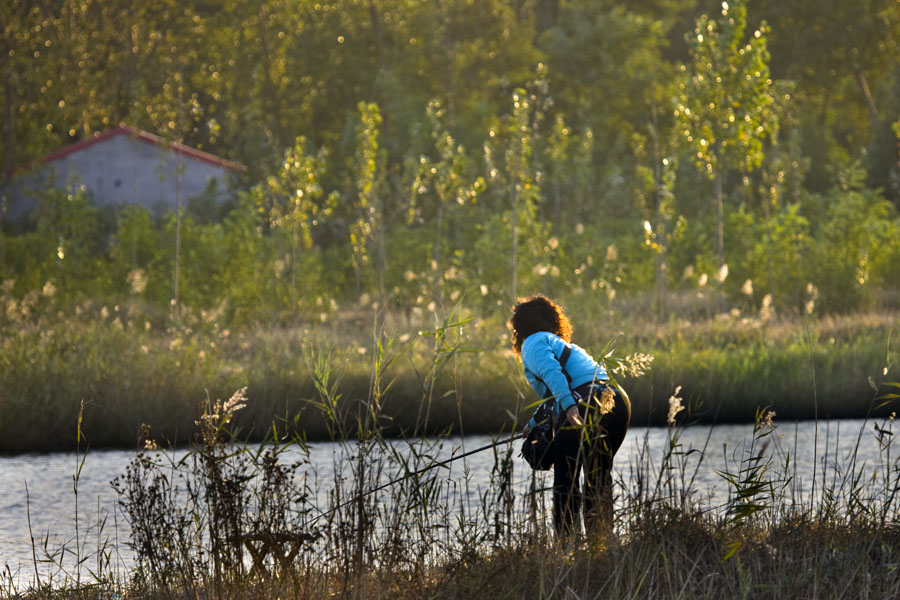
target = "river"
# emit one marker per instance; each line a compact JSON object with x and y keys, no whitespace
{"x":39,"y":496}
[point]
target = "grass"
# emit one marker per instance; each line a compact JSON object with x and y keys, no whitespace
{"x":131,"y":368}
{"x":197,"y":520}
{"x":682,"y":558}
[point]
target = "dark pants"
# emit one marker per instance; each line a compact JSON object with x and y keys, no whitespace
{"x":592,"y":448}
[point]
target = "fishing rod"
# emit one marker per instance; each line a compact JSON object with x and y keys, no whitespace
{"x":378,"y":488}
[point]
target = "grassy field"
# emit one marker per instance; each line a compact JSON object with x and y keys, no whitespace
{"x":129,"y":369}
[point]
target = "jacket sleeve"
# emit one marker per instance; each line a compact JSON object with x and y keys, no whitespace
{"x":539,"y":359}
{"x":541,"y":390}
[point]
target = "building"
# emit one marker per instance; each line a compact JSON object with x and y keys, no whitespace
{"x":124,"y":166}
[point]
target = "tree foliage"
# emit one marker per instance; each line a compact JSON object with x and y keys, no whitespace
{"x":418,"y":152}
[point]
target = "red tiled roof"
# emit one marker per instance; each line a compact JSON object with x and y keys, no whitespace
{"x":123,"y":129}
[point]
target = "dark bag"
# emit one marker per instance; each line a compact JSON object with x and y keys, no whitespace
{"x":539,"y":447}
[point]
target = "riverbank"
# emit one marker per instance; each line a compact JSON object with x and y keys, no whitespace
{"x":678,"y":558}
{"x":130,"y":370}
{"x":821,"y":523}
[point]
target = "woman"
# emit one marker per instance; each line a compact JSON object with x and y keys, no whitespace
{"x":593,"y":416}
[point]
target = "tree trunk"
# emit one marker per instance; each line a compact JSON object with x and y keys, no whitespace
{"x":869,"y":100}
{"x":380,"y":221}
{"x":175,"y":290}
{"x":770,"y":284}
{"x":657,"y":187}
{"x":293,"y":267}
{"x":448,"y":44}
{"x":436,"y":256}
{"x":10,"y":148}
{"x":10,"y":130}
{"x":720,"y":228}
{"x":382,"y":250}
{"x":515,"y":240}
{"x":271,"y":99}
{"x":178,"y":176}
{"x":358,"y":274}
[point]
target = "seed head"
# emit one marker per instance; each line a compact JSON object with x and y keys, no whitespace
{"x":675,"y":406}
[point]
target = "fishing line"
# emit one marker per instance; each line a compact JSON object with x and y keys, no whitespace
{"x":442,"y":463}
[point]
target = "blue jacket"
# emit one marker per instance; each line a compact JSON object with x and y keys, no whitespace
{"x":540,"y":358}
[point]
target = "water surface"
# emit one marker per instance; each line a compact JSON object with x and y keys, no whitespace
{"x":39,"y":496}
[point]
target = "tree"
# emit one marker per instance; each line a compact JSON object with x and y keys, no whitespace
{"x":857,"y":249}
{"x":133,"y":248}
{"x":291,"y":198}
{"x":468,"y":55}
{"x":68,"y":233}
{"x":445,"y":180}
{"x":724,"y":104}
{"x":823,"y":42}
{"x":369,"y":168}
{"x":605,"y":67}
{"x":518,"y":177}
{"x":841,"y":56}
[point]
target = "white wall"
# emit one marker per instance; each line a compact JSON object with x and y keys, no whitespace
{"x":122,"y":170}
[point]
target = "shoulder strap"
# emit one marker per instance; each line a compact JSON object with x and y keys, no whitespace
{"x":563,"y":359}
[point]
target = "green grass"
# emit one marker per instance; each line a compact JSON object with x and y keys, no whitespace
{"x":799,"y":369}
{"x":131,"y":368}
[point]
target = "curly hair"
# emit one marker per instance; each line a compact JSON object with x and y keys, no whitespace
{"x":538,"y":313}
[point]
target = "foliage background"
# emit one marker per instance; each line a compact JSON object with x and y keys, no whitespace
{"x":662,"y":161}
